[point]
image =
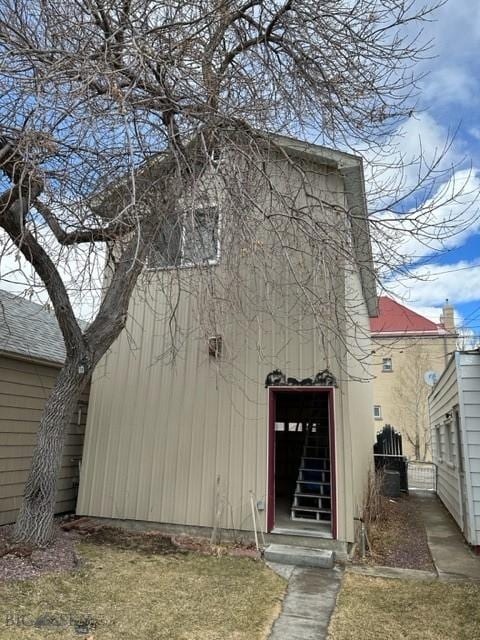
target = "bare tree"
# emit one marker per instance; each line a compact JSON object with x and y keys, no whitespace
{"x":112,"y":113}
{"x":411,"y":406}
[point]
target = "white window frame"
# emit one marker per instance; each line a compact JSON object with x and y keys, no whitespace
{"x":459,"y":447}
{"x":389,"y":368}
{"x":438,"y":443}
{"x":379,"y":416}
{"x":449,"y":442}
{"x":184,"y":264}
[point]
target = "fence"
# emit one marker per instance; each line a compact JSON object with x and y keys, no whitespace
{"x":389,"y":442}
{"x":387,"y":453}
{"x":422,"y":476}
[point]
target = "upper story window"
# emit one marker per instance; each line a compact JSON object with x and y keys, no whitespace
{"x":189,"y":239}
{"x":377,"y":412}
{"x":387,"y":365}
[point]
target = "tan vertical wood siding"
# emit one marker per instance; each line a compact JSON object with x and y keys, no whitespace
{"x":24,"y":387}
{"x":164,"y":441}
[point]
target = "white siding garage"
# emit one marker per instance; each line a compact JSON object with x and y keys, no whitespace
{"x":455,"y":423}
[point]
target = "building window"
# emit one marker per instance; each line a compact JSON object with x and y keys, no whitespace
{"x":437,"y":446}
{"x":449,"y":442}
{"x":215,"y":344}
{"x":377,"y":412}
{"x":387,"y":365}
{"x":458,"y":437}
{"x":188,"y":239}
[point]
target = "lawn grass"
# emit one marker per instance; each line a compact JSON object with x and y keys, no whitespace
{"x":131,"y":595}
{"x":377,"y":608}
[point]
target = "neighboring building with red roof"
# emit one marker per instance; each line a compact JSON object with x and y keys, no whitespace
{"x":394,"y":318}
{"x":409,"y":354}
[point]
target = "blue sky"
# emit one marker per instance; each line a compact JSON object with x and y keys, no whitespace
{"x":449,"y":99}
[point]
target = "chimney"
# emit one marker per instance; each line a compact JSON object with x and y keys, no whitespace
{"x":447,"y":318}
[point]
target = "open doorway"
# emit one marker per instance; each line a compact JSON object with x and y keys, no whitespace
{"x":301,"y":482}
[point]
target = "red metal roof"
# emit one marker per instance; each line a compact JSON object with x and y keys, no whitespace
{"x":393,"y":317}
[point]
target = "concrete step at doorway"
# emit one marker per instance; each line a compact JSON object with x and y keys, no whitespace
{"x":300,"y":556}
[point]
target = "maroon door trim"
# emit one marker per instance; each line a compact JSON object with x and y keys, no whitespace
{"x":272,"y":394}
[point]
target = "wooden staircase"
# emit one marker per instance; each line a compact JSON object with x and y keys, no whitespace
{"x":312,"y":501}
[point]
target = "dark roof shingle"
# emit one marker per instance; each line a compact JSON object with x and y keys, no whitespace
{"x":29,"y":330}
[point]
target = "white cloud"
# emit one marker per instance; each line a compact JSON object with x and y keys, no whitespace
{"x":420,"y":153}
{"x":429,"y":287}
{"x":457,"y":24}
{"x":444,"y":221}
{"x":450,"y":85}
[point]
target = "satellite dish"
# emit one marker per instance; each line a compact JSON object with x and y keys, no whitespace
{"x":431,"y":378}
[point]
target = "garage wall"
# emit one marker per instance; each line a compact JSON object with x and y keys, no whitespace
{"x":24,"y":387}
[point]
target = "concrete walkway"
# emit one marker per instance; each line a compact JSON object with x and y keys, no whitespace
{"x":451,"y":555}
{"x":309,"y":603}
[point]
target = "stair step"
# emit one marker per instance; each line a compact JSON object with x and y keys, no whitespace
{"x":313,"y":503}
{"x":300,"y":556}
{"x":312,"y":510}
{"x":316,"y":446}
{"x":318,"y":496}
{"x":316,"y":471}
{"x":310,"y":520}
{"x":316,"y":482}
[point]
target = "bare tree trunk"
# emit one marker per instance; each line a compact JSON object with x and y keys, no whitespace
{"x":34,"y":524}
{"x":417,"y":446}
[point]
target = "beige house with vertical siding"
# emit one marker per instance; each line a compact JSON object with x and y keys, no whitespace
{"x":186,"y":437}
{"x":31,"y":354}
{"x":410,"y":352}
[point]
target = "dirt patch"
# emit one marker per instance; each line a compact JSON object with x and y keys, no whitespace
{"x":151,"y":543}
{"x":203,"y":546}
{"x":19,"y":562}
{"x":398,"y":538}
{"x":156,"y":542}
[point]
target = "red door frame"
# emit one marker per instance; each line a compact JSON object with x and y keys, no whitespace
{"x":272,"y":396}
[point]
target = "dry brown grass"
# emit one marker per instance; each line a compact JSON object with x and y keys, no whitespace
{"x":132,"y":595}
{"x":376,"y":608}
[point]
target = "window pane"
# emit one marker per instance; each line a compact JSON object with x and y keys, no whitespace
{"x":200,"y":236}
{"x":166,"y":245}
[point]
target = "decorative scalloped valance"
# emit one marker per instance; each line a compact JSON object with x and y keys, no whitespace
{"x":277,"y":378}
